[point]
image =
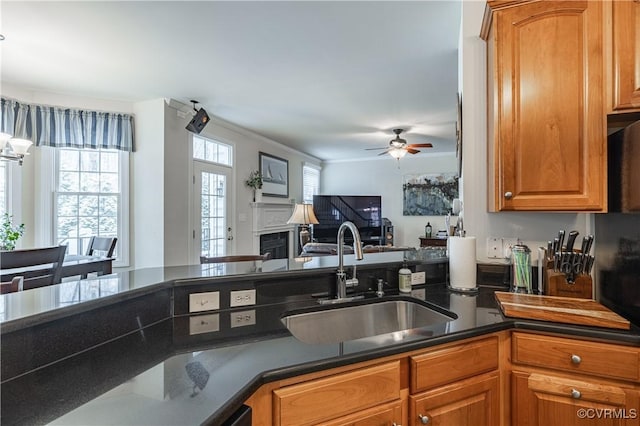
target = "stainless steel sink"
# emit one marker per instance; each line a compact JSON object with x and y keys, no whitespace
{"x":340,"y":323}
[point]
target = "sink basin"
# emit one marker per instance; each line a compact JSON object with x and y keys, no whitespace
{"x":350,"y":321}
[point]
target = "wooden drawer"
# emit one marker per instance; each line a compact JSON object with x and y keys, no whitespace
{"x":453,"y":363}
{"x":577,"y":356}
{"x":383,"y":415}
{"x":331,"y":397}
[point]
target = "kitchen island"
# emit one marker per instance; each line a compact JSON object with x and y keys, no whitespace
{"x":131,"y":353}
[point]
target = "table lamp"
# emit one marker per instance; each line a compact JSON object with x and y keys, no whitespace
{"x":303,"y":215}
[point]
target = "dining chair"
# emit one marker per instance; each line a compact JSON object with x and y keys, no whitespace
{"x":16,"y":284}
{"x":235,"y":258}
{"x":105,"y":245}
{"x":38,"y":267}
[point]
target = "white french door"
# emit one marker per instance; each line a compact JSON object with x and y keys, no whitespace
{"x":213,"y":233}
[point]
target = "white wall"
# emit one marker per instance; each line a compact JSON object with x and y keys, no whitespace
{"x":147,"y":185}
{"x":384,"y":176}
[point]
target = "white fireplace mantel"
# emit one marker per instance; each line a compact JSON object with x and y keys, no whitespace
{"x":269,"y":218}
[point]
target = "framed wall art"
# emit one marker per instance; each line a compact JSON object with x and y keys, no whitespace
{"x":275,"y":175}
{"x":429,"y":194}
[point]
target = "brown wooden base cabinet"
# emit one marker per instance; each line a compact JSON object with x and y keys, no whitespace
{"x":522,"y":378}
{"x":572,"y":382}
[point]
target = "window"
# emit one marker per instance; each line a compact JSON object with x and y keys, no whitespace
{"x":89,"y":198}
{"x":310,"y":182}
{"x":212,"y":151}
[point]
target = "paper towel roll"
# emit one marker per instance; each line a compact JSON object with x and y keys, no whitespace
{"x":462,"y":262}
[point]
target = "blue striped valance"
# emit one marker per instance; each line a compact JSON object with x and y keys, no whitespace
{"x":66,"y":127}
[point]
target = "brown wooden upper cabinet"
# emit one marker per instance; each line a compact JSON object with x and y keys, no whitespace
{"x":624,"y":64}
{"x":546,"y":105}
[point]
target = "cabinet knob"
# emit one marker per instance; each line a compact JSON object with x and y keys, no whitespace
{"x":575,"y":394}
{"x":423,"y":419}
{"x":575,"y":359}
{"x":508,"y":195}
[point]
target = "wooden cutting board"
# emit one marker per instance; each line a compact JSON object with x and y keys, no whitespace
{"x":568,"y":310}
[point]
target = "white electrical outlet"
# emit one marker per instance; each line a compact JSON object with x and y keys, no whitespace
{"x":418,"y":278}
{"x":204,"y":324}
{"x":494,"y":248}
{"x":507,"y":243}
{"x":243,"y":318}
{"x":242,"y":298}
{"x":208,"y":301}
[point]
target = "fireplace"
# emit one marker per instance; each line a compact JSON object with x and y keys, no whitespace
{"x":276,"y":243}
{"x":271,"y":232}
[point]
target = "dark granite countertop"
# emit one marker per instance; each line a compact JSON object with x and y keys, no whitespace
{"x":164,"y":373}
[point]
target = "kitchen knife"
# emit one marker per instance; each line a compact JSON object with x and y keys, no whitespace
{"x":585,"y":252}
{"x":550,"y":250}
{"x":556,"y":245}
{"x":571,"y":239}
{"x":560,"y":239}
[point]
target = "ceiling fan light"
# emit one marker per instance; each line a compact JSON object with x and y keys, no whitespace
{"x":397,"y":153}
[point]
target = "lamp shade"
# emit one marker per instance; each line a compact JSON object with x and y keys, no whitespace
{"x":20,"y":146}
{"x":303,"y":215}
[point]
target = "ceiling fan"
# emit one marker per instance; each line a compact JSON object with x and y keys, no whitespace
{"x":399,"y":147}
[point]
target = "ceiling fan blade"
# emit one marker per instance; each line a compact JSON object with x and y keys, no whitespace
{"x":412,"y":151}
{"x":373,"y":149}
{"x":384,"y":152}
{"x":420,"y":145}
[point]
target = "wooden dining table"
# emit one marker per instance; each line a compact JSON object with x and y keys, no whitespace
{"x":73,"y":265}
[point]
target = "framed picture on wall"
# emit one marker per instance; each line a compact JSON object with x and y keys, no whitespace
{"x":275,"y":175}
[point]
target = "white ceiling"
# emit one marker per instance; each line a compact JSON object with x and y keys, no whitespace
{"x":328,"y":78}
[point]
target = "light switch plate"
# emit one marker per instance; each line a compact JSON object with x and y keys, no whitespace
{"x":242,"y":318}
{"x":208,"y":301}
{"x":242,"y":298}
{"x":204,"y":324}
{"x":418,"y":278}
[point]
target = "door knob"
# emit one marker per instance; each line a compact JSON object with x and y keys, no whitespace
{"x":423,"y":419}
{"x":508,"y":195}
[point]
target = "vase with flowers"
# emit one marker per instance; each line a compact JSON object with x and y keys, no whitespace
{"x":255,"y":182}
{"x":9,"y":234}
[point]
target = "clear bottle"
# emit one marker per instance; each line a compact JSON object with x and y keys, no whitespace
{"x":404,"y":279}
{"x":427,"y":230}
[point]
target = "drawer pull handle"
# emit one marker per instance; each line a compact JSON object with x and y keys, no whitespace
{"x":423,"y":419}
{"x":576,"y":359}
{"x":508,"y":195}
{"x":575,"y":394}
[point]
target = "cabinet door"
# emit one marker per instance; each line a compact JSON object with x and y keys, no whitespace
{"x":473,"y":401}
{"x":547,"y":134}
{"x":539,"y":399}
{"x":384,"y":415}
{"x":625,"y":21}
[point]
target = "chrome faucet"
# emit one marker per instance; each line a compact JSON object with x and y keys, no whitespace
{"x":342,"y":281}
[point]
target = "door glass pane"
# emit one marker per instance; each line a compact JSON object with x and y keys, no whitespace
{"x":213,"y":199}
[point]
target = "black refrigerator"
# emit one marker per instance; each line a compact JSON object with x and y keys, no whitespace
{"x":617,"y":233}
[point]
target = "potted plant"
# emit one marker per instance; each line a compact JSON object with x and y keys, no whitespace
{"x":255,"y":182}
{"x":9,"y":234}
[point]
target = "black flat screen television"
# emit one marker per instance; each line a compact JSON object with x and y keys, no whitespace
{"x":365,"y":211}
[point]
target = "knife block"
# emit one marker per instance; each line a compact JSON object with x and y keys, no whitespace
{"x":557,"y":285}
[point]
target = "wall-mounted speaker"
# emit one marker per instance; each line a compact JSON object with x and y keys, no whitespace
{"x":198,"y":122}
